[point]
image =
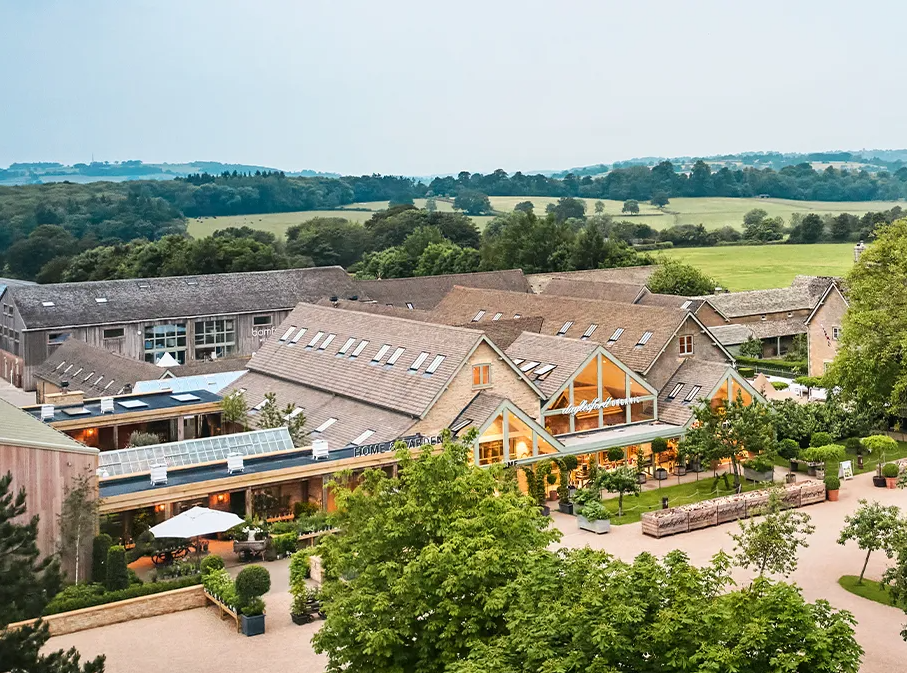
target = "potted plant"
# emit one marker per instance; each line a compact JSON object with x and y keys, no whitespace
{"x":640,"y":466}
{"x":621,"y":480}
{"x":537,"y":482}
{"x":819,"y":456}
{"x":252,"y":583}
{"x":306,"y":605}
{"x":890,"y":472}
{"x":789,"y":449}
{"x":565,"y":467}
{"x":593,"y":515}
{"x":658,"y":446}
{"x":832,"y":487}
{"x":759,"y":468}
{"x":879,"y":445}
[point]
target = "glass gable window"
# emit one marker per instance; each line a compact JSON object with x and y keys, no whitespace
{"x":215,"y":338}
{"x":161,"y":339}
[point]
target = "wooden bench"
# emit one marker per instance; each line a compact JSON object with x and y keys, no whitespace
{"x":225,"y":610}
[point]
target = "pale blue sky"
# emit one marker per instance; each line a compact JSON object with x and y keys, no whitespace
{"x":426,"y":87}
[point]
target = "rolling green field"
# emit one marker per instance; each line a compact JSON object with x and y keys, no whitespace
{"x":759,"y":267}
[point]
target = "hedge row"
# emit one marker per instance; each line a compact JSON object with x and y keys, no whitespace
{"x":134,"y":591}
{"x":793,"y":366}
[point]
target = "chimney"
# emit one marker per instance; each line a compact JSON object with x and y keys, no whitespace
{"x":718,"y":290}
{"x":127,"y":389}
{"x":857,"y":251}
{"x":65,"y":398}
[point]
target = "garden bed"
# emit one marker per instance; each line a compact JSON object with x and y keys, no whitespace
{"x":728,"y":508}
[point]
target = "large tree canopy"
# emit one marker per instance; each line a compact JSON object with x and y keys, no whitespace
{"x":674,"y":277}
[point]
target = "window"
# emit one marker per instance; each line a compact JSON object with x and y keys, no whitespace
{"x":825,"y":366}
{"x":516,"y":316}
{"x":589,"y":332}
{"x":214,"y":338}
{"x":694,"y":391}
{"x":261,"y":320}
{"x":327,"y":341}
{"x":47,"y":304}
{"x":835,"y":333}
{"x":675,"y":391}
{"x":358,"y":349}
{"x":365,"y":435}
{"x":762,"y":317}
{"x":543,"y":371}
{"x":643,"y":340}
{"x":324,"y":426}
{"x":162,"y":339}
{"x":298,"y":335}
{"x":614,"y":337}
{"x":418,"y":361}
{"x":381,"y":353}
{"x":114,"y":333}
{"x":563,"y":330}
{"x":409,"y":306}
{"x":686,"y":344}
{"x":526,"y":366}
{"x":345,"y":347}
{"x":101,"y":300}
{"x":497,"y":316}
{"x":433,"y":367}
{"x":392,"y":360}
{"x":57,"y":337}
{"x":686,"y":304}
{"x":286,"y":335}
{"x":481,"y":376}
{"x":315,"y":340}
{"x":478,"y":316}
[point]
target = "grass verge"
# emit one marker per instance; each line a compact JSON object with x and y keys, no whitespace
{"x":870,"y":589}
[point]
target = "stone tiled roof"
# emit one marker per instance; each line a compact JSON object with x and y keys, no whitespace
{"x":758,"y":302}
{"x":769,"y":329}
{"x":19,"y":428}
{"x":477,"y":411}
{"x":390,"y":387}
{"x":504,"y":332}
{"x":93,"y":370}
{"x":732,"y":334}
{"x":670,"y":301}
{"x":200,"y":367}
{"x":566,"y":354}
{"x":174,"y":297}
{"x":375,"y":307}
{"x":353,"y":417}
{"x":633,"y":275}
{"x":691,"y":373}
{"x":586,"y":289}
{"x":463,"y":305}
{"x":424,"y":292}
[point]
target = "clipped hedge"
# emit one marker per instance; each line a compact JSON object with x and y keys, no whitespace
{"x":64,"y":603}
{"x":285,"y":543}
{"x":796,"y":367}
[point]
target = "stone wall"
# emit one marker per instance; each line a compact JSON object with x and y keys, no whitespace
{"x":122,"y":611}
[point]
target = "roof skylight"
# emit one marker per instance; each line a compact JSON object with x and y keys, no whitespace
{"x":315,"y":339}
{"x":327,"y":341}
{"x":365,"y":435}
{"x":324,"y":426}
{"x":614,"y":337}
{"x":543,"y":370}
{"x":497,"y":316}
{"x":101,"y":300}
{"x":563,"y":330}
{"x":286,"y":335}
{"x":692,"y":394}
{"x":676,"y":391}
{"x":459,"y":425}
{"x":358,"y":349}
{"x":644,"y":339}
{"x":346,"y":346}
{"x":392,"y":360}
{"x":588,"y":333}
{"x":47,"y":304}
{"x":381,"y":353}
{"x":526,"y":366}
{"x":418,"y":361}
{"x":686,"y":304}
{"x":298,"y":335}
{"x":478,"y":316}
{"x":433,"y":367}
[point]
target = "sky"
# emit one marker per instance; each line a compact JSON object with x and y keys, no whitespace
{"x":421,"y":88}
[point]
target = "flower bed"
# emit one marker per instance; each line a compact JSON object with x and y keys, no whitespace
{"x":728,"y":508}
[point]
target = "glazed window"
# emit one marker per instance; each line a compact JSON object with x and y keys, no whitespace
{"x":686,"y":345}
{"x":481,"y":376}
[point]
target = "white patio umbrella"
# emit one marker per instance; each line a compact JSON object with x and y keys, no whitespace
{"x":196,"y":522}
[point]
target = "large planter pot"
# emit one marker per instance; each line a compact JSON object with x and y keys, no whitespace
{"x":790,"y":478}
{"x":695,"y":465}
{"x":833,"y":494}
{"x":640,"y":477}
{"x":891,"y":482}
{"x":253,"y":626}
{"x":820,"y":473}
{"x":598,"y":526}
{"x":878,"y":481}
{"x":565,"y":507}
{"x":661,"y":474}
{"x":301,"y":618}
{"x":545,"y":510}
{"x":680,"y":470}
{"x":753,"y":475}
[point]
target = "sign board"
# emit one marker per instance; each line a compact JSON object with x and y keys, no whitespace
{"x":411,"y":442}
{"x":845,"y":469}
{"x":598,"y":403}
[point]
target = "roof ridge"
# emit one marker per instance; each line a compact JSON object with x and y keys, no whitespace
{"x":386,"y":316}
{"x":443,"y":275}
{"x":599,"y":302}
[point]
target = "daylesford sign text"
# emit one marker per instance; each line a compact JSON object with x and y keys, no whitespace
{"x":598,"y":403}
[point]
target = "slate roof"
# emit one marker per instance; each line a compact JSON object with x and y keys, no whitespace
{"x":769,"y":329}
{"x":566,"y":354}
{"x":202,"y":367}
{"x":375,"y":307}
{"x":732,"y":334}
{"x":691,"y":373}
{"x":391,"y":387}
{"x":634,"y":275}
{"x":588,"y":289}
{"x":477,"y":411}
{"x":143,"y":299}
{"x":758,"y":302}
{"x":504,"y":332}
{"x":463,"y":304}
{"x":424,"y":292}
{"x":19,"y":428}
{"x":353,"y":417}
{"x":93,"y":370}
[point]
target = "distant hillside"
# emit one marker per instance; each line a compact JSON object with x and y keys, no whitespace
{"x":43,"y":172}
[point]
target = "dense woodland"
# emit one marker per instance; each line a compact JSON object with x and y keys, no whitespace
{"x":68,"y":231}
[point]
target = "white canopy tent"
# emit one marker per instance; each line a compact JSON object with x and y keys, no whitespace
{"x":196,"y":522}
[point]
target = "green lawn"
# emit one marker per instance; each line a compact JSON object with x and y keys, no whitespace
{"x":758,"y":267}
{"x":682,"y":494}
{"x":870,"y":589}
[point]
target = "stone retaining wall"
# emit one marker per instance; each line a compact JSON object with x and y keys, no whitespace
{"x":133,"y":608}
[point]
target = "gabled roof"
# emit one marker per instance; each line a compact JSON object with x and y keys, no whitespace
{"x":707,"y":376}
{"x":93,"y":370}
{"x":19,"y":428}
{"x":832,"y":287}
{"x":636,"y":275}
{"x":375,"y":307}
{"x":424,"y":292}
{"x":588,"y":289}
{"x":409,"y":384}
{"x":139,"y":299}
{"x":477,"y":412}
{"x":565,"y":354}
{"x":465,"y":304}
{"x":769,"y":329}
{"x":690,"y":304}
{"x":801,"y":295}
{"x":732,"y":334}
{"x":504,"y":332}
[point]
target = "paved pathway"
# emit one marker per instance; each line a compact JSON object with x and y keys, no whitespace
{"x":197,"y":640}
{"x":14,"y":395}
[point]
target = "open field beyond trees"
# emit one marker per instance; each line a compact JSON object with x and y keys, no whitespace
{"x":759,"y":267}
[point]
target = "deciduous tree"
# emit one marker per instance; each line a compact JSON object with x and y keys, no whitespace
{"x":874,"y":527}
{"x":631,"y":207}
{"x":675,"y":277}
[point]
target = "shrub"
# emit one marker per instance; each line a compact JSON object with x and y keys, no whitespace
{"x":252,"y":582}
{"x":117,"y":576}
{"x":139,"y":438}
{"x":746,"y":372}
{"x":301,"y":509}
{"x":780,"y":385}
{"x":300,"y":566}
{"x":218,"y":583}
{"x":820,"y":439}
{"x":595,"y":509}
{"x":879,"y":445}
{"x":285,"y":544}
{"x":615,"y":454}
{"x":282,"y":527}
{"x":211,"y":562}
{"x":824,"y":454}
{"x":890,"y":470}
{"x":87,"y":597}
{"x":759,"y":464}
{"x":659,"y":445}
{"x":853,"y":445}
{"x":99,"y":548}
{"x":832,"y":483}
{"x":254,"y":607}
{"x":788,"y":448}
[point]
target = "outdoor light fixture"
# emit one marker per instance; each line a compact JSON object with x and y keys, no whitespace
{"x":160,"y":508}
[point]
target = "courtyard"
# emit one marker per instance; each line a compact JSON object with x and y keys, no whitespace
{"x":200,"y":641}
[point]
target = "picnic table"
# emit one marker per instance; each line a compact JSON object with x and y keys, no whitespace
{"x":167,"y":555}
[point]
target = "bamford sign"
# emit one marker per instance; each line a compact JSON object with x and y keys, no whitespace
{"x":412,"y":442}
{"x":586,"y":406}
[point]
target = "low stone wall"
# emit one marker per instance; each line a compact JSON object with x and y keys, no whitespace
{"x":728,"y":508}
{"x":122,"y":611}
